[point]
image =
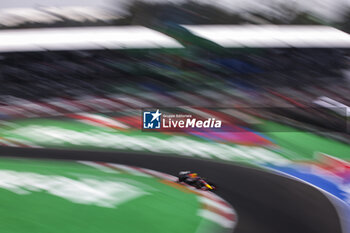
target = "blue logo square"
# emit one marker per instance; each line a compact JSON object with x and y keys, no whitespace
{"x":151,"y":120}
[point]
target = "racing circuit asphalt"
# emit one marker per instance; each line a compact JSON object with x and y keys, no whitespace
{"x":264,"y":202}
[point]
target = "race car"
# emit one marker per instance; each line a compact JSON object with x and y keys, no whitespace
{"x":192,"y":179}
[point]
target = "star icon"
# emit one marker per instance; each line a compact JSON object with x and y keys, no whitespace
{"x":156,"y":115}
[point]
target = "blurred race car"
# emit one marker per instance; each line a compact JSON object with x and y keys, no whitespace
{"x":192,"y":179}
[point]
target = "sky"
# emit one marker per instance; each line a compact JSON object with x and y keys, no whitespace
{"x":326,"y":9}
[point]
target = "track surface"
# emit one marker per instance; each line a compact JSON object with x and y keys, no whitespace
{"x":265,"y":203}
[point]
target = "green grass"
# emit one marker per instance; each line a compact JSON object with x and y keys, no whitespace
{"x":302,"y":145}
{"x":161,"y":210}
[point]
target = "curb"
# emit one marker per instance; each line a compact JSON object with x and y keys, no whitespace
{"x":213,"y":207}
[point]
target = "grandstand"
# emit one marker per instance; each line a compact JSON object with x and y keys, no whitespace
{"x":134,"y":66}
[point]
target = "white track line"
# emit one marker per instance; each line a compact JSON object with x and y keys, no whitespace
{"x":159,"y":174}
{"x":129,"y":169}
{"x":99,"y":167}
{"x":214,"y":217}
{"x":223,"y":207}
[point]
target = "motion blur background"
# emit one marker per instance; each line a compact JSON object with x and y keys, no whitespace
{"x":76,"y":74}
{"x":153,"y":49}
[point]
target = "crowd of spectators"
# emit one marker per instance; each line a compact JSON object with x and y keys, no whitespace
{"x":260,"y":78}
{"x":55,"y":74}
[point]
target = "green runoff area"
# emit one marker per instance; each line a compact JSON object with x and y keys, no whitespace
{"x":154,"y":206}
{"x":300,"y":145}
{"x":53,"y":197}
{"x":288,"y":144}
